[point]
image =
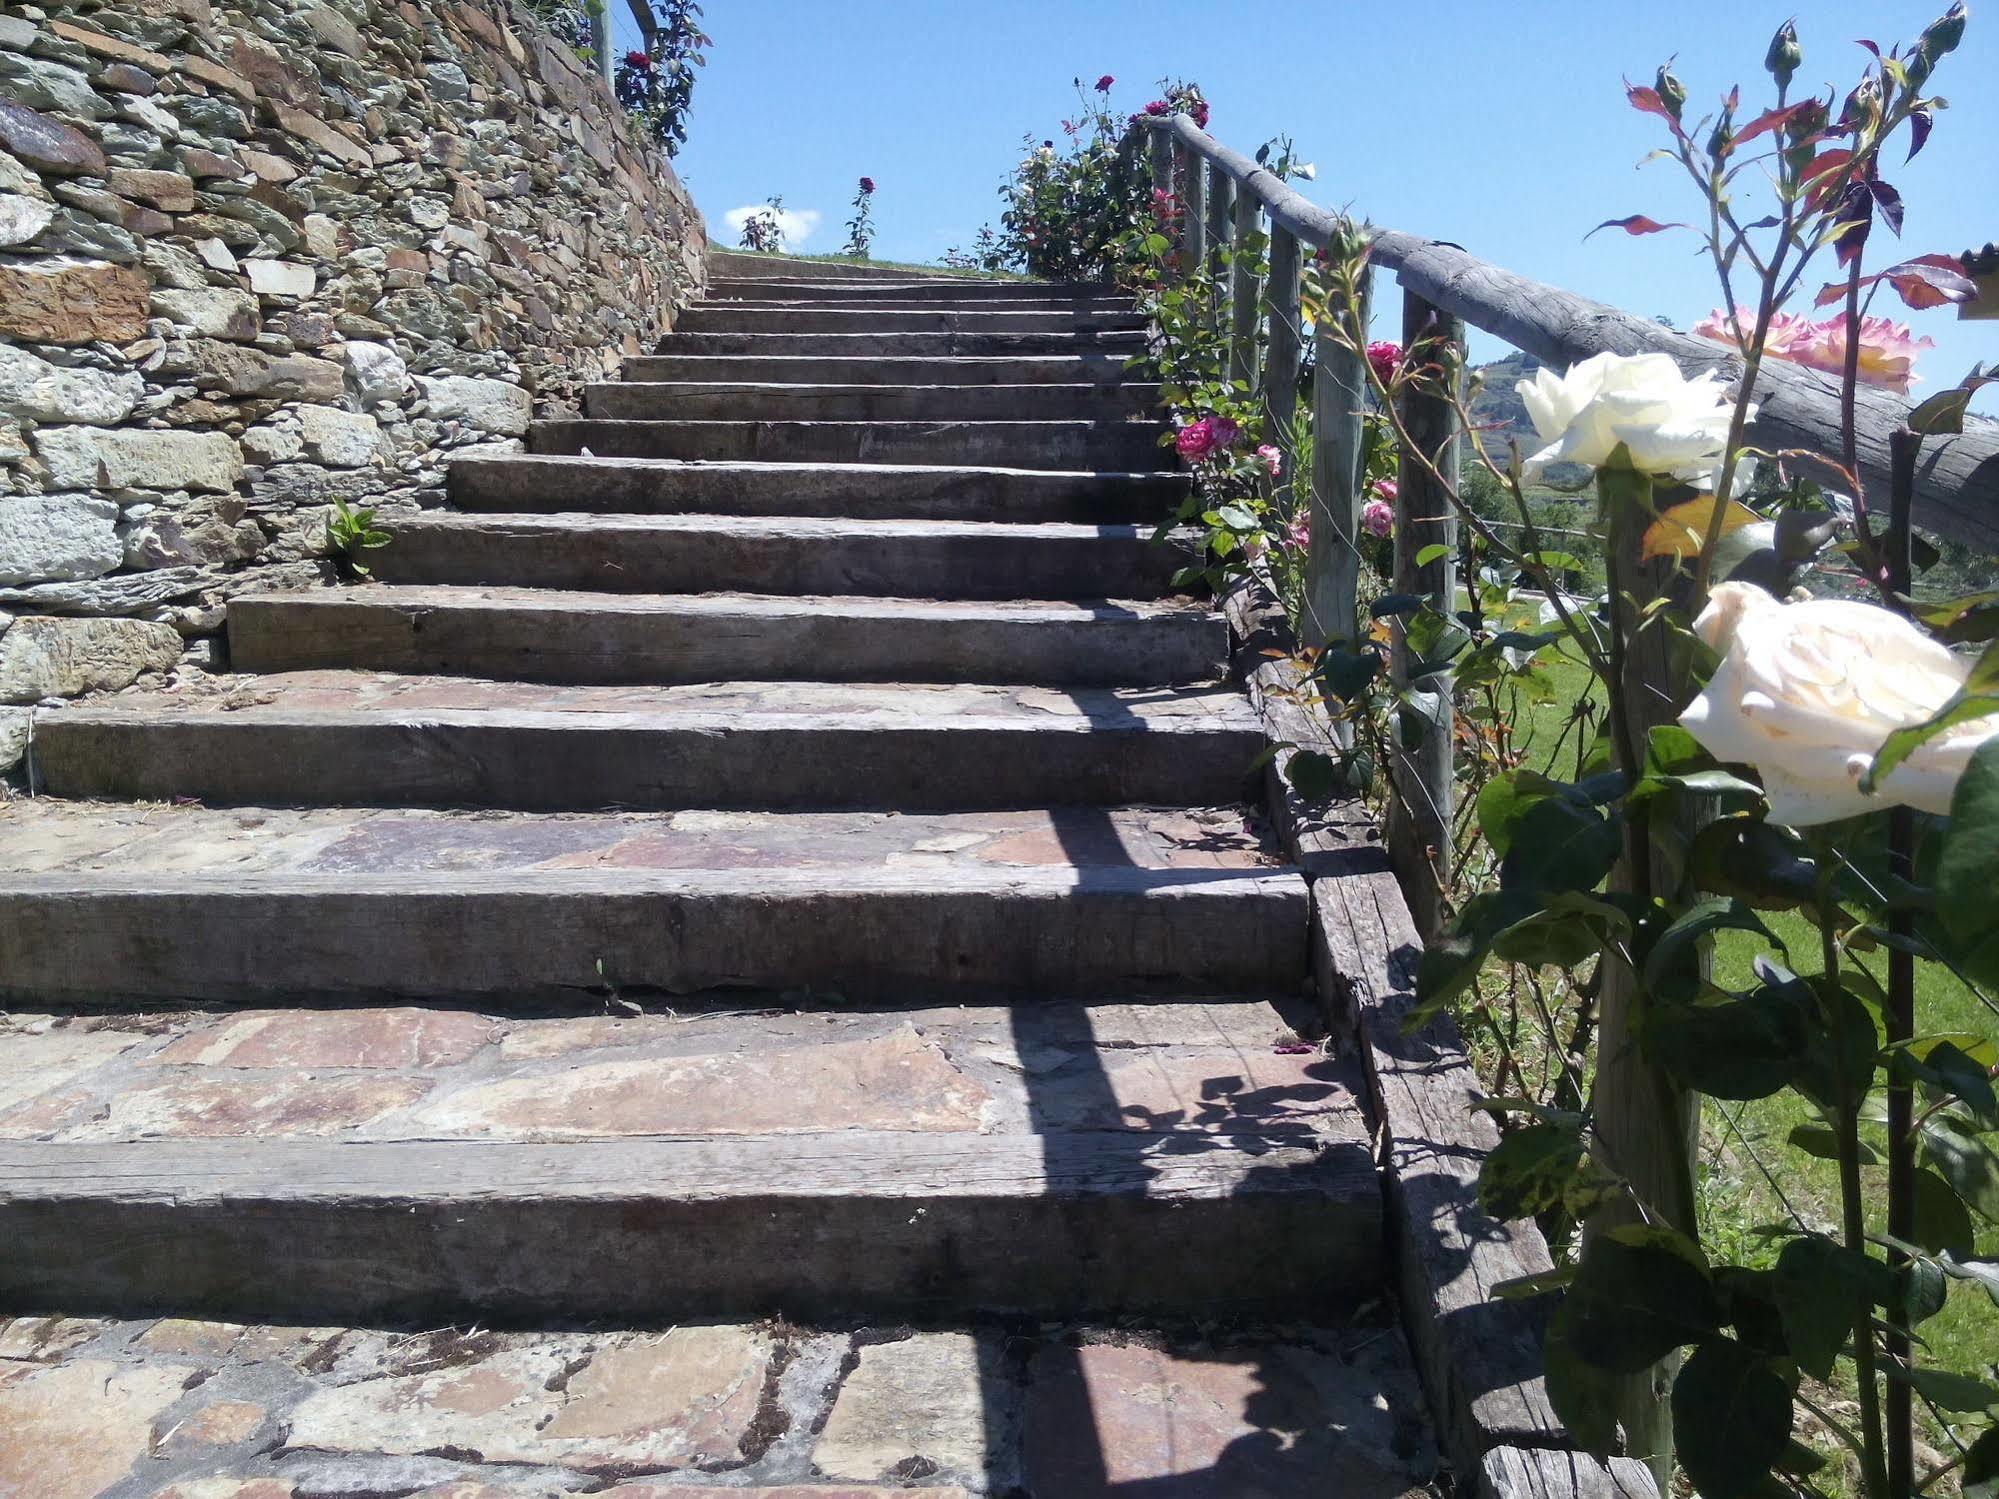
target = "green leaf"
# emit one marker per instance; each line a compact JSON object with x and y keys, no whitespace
{"x":1560,"y":844}
{"x":1953,"y":1392}
{"x":1742,"y":1047}
{"x":1759,"y":863}
{"x":1526,"y":1287}
{"x":1639,"y":1293}
{"x":1313,"y":775}
{"x":1672,"y":952}
{"x":1820,"y":1288}
{"x":1431,"y":553}
{"x":1951,"y":1072}
{"x":1731,"y":1419}
{"x":1840,"y":1058}
{"x":1964,"y":1160}
{"x":1529,"y":1171}
{"x":1583,"y":1395}
{"x":1823,"y":1143}
{"x":1968,"y":863}
{"x":1451,"y":961}
{"x":1942,"y":1221}
{"x":1981,"y":1466}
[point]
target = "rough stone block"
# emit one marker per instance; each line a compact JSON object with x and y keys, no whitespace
{"x":491,"y":405}
{"x":280,"y":278}
{"x":339,"y":439}
{"x":43,"y":392}
{"x":375,"y":372}
{"x":67,"y":301}
{"x":42,"y":657}
{"x":22,"y":218}
{"x":214,"y":311}
{"x":57,"y":536}
{"x":169,"y":191}
{"x":123,"y":458}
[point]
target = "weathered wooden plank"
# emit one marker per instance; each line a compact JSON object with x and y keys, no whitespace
{"x":1339,"y":397}
{"x":1480,"y":1359}
{"x":1243,"y":290}
{"x":1192,"y":175}
{"x":1518,"y":1473}
{"x":830,"y":1222}
{"x":1280,"y":377}
{"x":1419,"y":828}
{"x":1957,"y":485}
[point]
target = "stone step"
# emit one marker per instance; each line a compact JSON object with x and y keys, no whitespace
{"x":740,"y":400}
{"x":527,"y":634}
{"x":723,"y":317}
{"x":1114,"y":446}
{"x":727,"y":1410}
{"x":966,"y":292}
{"x":1023,"y":369}
{"x":118,"y":904}
{"x":913,"y":289}
{"x":1120,"y":310}
{"x":379,"y":740}
{"x":862,"y":345}
{"x":877,"y":491}
{"x":438,"y":1165}
{"x":750,"y":554}
{"x":740,"y":265}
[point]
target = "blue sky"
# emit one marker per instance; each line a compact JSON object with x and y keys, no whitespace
{"x":1501,"y":127}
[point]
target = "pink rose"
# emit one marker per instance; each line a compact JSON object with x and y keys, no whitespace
{"x":1273,"y":461}
{"x":1196,"y":441}
{"x":1385,"y":357}
{"x":1299,"y":533}
{"x":1377,"y":518}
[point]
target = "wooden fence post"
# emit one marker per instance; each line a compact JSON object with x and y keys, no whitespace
{"x":1243,"y":292}
{"x":1280,"y":365}
{"x":1221,"y":219}
{"x":1331,"y":604}
{"x":1193,"y":221}
{"x":1159,"y":153}
{"x":1420,"y":755}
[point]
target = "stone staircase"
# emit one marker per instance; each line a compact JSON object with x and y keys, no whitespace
{"x":779,"y":851}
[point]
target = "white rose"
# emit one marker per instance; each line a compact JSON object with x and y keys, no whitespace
{"x":1670,"y":424}
{"x":1806,"y":693}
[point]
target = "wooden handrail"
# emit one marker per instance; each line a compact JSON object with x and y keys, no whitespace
{"x":1957,"y":481}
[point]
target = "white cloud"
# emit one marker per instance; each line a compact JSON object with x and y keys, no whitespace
{"x":795,"y":224}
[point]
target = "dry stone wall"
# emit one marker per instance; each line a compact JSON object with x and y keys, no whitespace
{"x":257,"y":257}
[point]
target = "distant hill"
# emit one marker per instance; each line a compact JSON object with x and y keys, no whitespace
{"x":1502,"y":416}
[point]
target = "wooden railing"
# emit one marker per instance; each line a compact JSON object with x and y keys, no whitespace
{"x":1223,"y":194}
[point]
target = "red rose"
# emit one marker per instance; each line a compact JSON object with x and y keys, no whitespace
{"x":1104,"y":84}
{"x":867,"y":184}
{"x":1200,"y":114}
{"x":637,"y":60}
{"x":1159,"y":107}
